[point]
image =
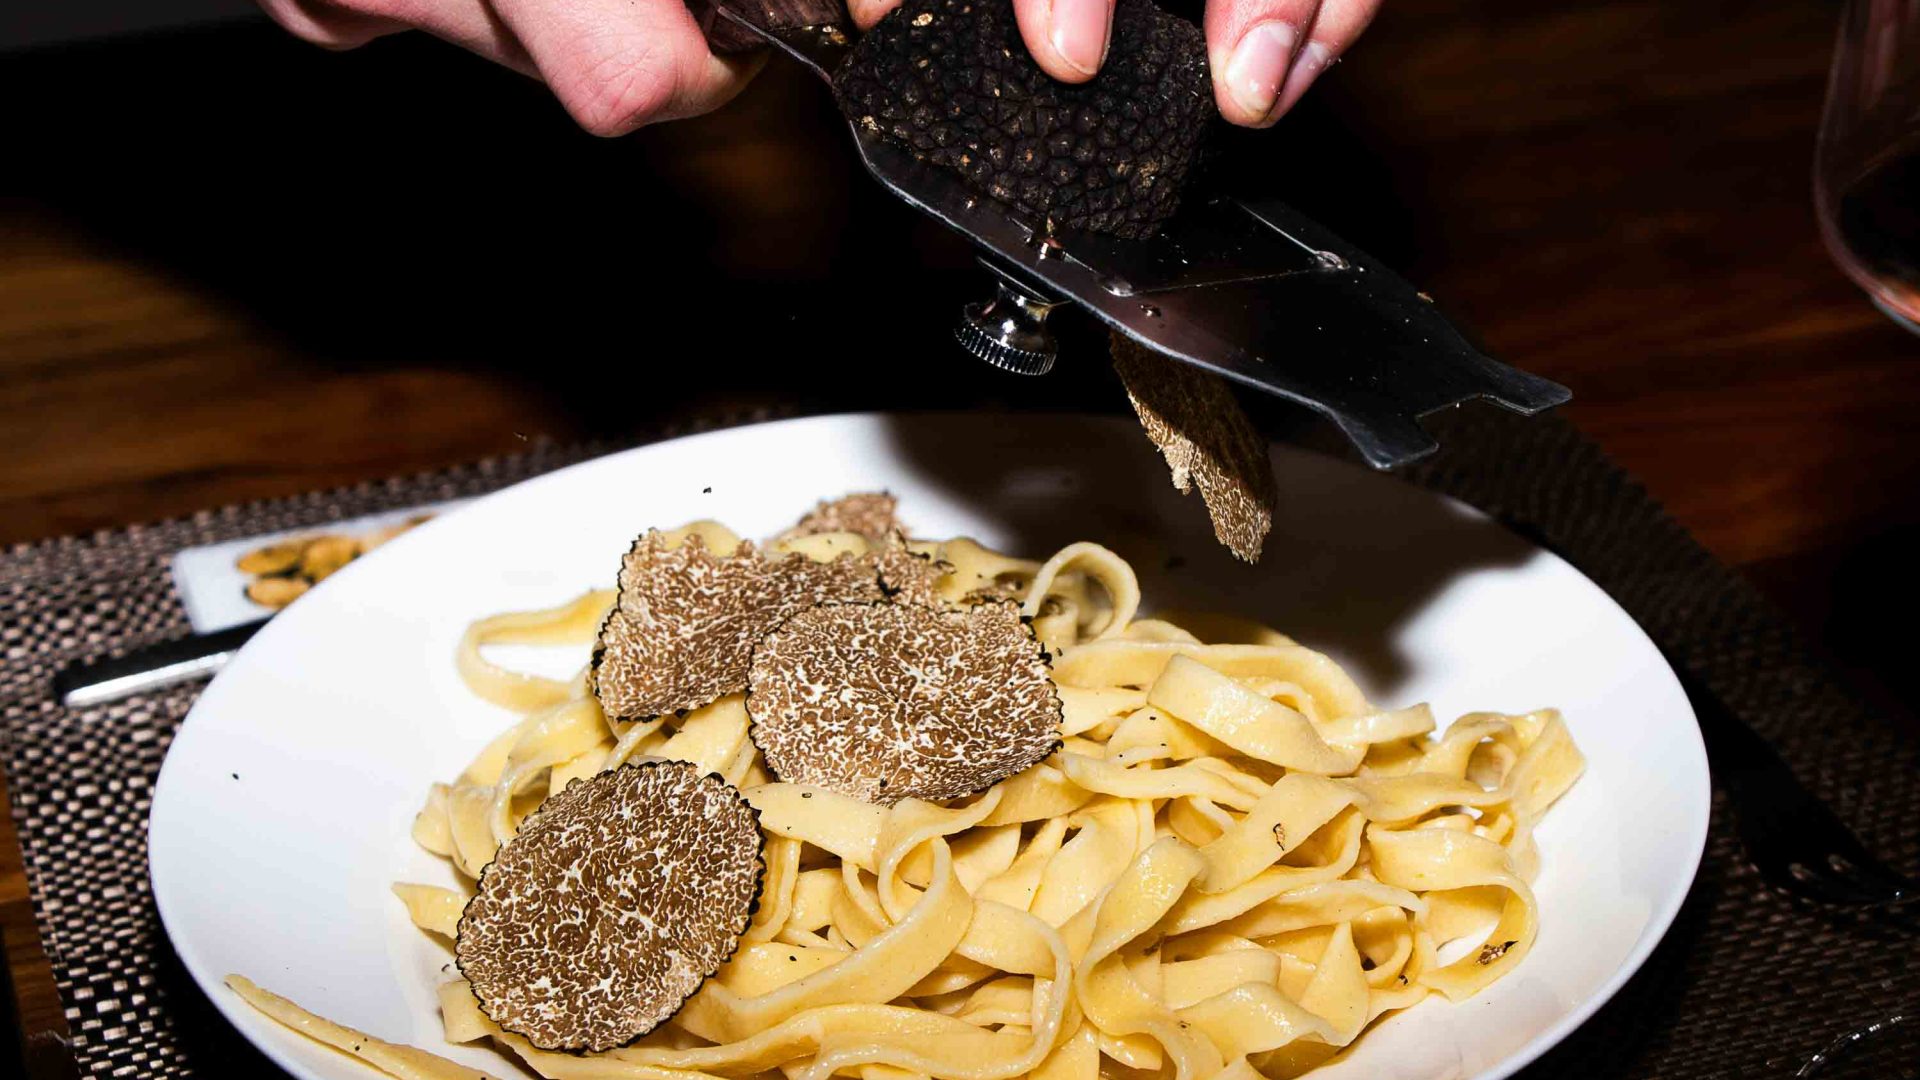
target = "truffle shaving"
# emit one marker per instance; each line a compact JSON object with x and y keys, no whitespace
{"x":885,"y":702}
{"x":610,"y":907}
{"x":868,"y":513}
{"x":905,"y":576}
{"x":908,"y":577}
{"x":683,"y":630}
{"x":1207,"y":439}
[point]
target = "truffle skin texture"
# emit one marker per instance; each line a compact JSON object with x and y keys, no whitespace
{"x":868,"y":513}
{"x":682,"y":632}
{"x":891,"y":701}
{"x":613,"y":904}
{"x":952,"y":82}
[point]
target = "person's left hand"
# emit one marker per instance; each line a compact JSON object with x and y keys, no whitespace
{"x":1264,"y":53}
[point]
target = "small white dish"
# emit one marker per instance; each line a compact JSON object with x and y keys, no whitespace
{"x":281,"y":816}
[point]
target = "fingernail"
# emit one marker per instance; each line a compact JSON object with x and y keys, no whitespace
{"x":1306,"y":68}
{"x":1080,"y":29}
{"x":1259,"y":66}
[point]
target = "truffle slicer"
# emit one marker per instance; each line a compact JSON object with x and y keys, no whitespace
{"x":1247,"y":288}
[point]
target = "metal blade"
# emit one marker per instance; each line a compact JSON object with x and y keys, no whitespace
{"x":1250,"y":289}
{"x":1254,"y":291}
{"x":820,"y":46}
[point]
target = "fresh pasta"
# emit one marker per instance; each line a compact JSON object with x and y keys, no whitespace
{"x":1231,"y":867}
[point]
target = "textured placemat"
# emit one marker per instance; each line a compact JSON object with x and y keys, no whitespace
{"x":1747,"y":983}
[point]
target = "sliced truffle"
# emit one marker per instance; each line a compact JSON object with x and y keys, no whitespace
{"x":868,"y":513}
{"x":905,"y":576}
{"x":683,"y":630}
{"x":1193,"y":417}
{"x":892,"y":701}
{"x":908,"y":577}
{"x":615,"y":901}
{"x":952,"y":82}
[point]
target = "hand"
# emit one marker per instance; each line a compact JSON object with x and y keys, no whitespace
{"x":615,"y":64}
{"x":619,"y":64}
{"x":1264,"y":53}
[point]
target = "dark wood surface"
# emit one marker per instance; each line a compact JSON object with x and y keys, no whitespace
{"x":233,"y":267}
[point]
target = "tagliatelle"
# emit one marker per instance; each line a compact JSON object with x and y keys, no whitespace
{"x":1231,"y":868}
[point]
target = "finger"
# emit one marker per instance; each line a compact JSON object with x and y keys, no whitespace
{"x":617,"y":65}
{"x":867,"y":12}
{"x":1068,"y":38}
{"x":1337,"y":25}
{"x":470,"y":24}
{"x":328,"y":25}
{"x":1251,"y":45}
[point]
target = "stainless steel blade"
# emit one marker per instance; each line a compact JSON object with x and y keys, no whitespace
{"x":1250,"y":289}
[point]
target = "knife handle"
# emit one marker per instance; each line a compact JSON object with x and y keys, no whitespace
{"x":724,"y":36}
{"x":153,"y":667}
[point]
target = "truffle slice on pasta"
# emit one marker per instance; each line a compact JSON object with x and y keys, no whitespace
{"x":871,"y":514}
{"x":682,"y":632}
{"x":908,"y":577}
{"x":611,"y":906}
{"x":891,"y":701}
{"x":1201,"y":430}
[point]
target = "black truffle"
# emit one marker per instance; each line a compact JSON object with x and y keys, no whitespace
{"x":885,"y":702}
{"x":615,"y":901}
{"x":682,"y":633}
{"x":871,"y":514}
{"x":952,"y":81}
{"x":1197,"y":423}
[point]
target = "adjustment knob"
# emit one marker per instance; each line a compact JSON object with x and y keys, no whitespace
{"x":1009,"y":331}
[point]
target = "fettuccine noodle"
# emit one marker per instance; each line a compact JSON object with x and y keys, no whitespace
{"x":1231,"y":868}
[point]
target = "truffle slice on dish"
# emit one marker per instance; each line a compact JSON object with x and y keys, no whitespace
{"x":682,"y":632}
{"x":612,"y":905}
{"x":907,"y":575}
{"x":871,"y":514}
{"x":890,"y":701}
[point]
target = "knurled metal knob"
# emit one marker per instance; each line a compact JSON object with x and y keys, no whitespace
{"x":1009,"y":331}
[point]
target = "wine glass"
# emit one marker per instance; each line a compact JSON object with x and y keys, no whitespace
{"x":1866,"y":175}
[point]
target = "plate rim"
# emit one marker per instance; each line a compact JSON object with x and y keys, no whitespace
{"x":249,"y":1023}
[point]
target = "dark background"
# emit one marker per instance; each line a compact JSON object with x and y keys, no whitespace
{"x":233,"y":266}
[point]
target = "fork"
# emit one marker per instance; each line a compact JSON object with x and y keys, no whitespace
{"x":1863,"y":1050}
{"x":1791,"y":838}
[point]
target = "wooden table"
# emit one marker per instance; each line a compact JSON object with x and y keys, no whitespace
{"x":238,"y":268}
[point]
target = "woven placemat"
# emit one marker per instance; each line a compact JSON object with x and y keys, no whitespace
{"x":1748,"y":983}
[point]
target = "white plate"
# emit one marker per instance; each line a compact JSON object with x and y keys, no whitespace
{"x":282,"y":813}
